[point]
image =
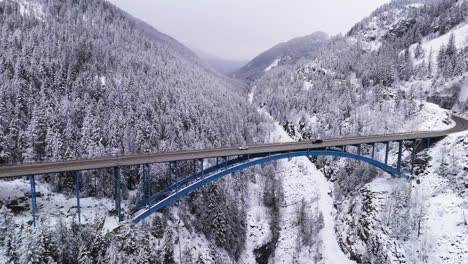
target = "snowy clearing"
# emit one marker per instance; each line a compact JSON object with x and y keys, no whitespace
{"x":434,"y":45}
{"x":273,"y":65}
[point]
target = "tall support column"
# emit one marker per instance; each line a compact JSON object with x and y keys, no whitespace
{"x":217,"y":161}
{"x":413,"y":154}
{"x":118,"y":193}
{"x":201,"y":167}
{"x":170,"y":174}
{"x":344,"y":148}
{"x":77,"y":183}
{"x":373,"y":150}
{"x":227,"y":160}
{"x":428,"y":142}
{"x":177,"y":171}
{"x":386,"y":152}
{"x":358,"y":149}
{"x":194,"y":167}
{"x":32,"y":182}
{"x":146,"y":182}
{"x":400,"y":150}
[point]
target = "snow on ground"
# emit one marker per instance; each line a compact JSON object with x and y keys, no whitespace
{"x":415,"y":5}
{"x":251,"y":94}
{"x":258,"y":220}
{"x":438,"y":199}
{"x":464,"y":92}
{"x":307,"y":85}
{"x":461,"y":41}
{"x":429,"y":118}
{"x":189,"y":241}
{"x":377,"y":27}
{"x":52,"y":206}
{"x":28,"y":7}
{"x":302,"y":181}
{"x":273,"y":65}
{"x":444,"y":227}
{"x":102,"y":79}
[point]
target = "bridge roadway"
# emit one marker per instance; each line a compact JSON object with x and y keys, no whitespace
{"x":6,"y":171}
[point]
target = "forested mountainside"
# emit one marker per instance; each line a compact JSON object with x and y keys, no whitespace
{"x":349,"y":81}
{"x":92,"y":81}
{"x":284,"y":53}
{"x":83,"y":79}
{"x":381,"y":78}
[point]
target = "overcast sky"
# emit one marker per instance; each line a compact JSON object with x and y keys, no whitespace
{"x":242,"y":29}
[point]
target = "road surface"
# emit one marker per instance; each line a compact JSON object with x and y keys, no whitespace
{"x":16,"y":170}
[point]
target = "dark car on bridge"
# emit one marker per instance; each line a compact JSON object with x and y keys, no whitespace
{"x":316,"y":141}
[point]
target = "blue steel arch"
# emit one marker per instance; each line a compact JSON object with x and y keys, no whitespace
{"x":201,"y":182}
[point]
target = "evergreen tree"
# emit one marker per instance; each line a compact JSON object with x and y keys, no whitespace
{"x":418,"y":52}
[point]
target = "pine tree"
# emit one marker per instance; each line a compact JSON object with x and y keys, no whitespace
{"x":442,"y":61}
{"x":451,"y":57}
{"x":418,"y":52}
{"x":8,"y":237}
{"x":429,"y":64}
{"x":32,"y":250}
{"x":84,"y":256}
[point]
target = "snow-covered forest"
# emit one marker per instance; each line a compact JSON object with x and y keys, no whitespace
{"x":84,"y":79}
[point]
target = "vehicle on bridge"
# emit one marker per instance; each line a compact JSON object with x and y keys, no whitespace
{"x":233,"y":160}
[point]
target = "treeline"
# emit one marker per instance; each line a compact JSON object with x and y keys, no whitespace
{"x":353,"y":89}
{"x":82,"y":79}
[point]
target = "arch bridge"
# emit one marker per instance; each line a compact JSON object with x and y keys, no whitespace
{"x":224,"y":161}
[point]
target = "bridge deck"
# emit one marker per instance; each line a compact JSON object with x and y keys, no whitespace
{"x":107,"y":162}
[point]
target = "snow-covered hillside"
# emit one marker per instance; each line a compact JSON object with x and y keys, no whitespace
{"x":104,"y":83}
{"x":286,"y":53}
{"x":374,"y":29}
{"x":431,"y":46}
{"x":421,"y":221}
{"x":374,"y":83}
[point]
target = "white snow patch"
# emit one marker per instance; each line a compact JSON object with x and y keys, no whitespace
{"x":53,"y":206}
{"x":308,"y":85}
{"x":197,"y":244}
{"x":33,"y":8}
{"x":302,"y":181}
{"x":103,"y":80}
{"x":273,"y":65}
{"x":443,"y":229}
{"x":431,"y":117}
{"x":464,"y":92}
{"x":415,"y":5}
{"x":461,"y":41}
{"x":258,"y":220}
{"x":251,"y":94}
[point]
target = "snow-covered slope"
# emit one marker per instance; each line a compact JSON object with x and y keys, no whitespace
{"x":433,"y":45}
{"x":284,"y":53}
{"x":382,"y":25}
{"x":421,"y":221}
{"x":272,"y":65}
{"x":306,"y":191}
